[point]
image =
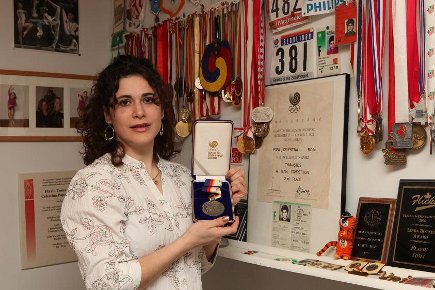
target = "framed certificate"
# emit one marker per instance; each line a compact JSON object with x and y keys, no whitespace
{"x":373,"y":230}
{"x":413,"y":236}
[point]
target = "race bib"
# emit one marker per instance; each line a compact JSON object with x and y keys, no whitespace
{"x":293,"y":57}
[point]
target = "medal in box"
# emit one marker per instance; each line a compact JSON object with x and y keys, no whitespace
{"x":211,"y":192}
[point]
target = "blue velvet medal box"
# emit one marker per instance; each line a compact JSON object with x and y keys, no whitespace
{"x":211,"y":192}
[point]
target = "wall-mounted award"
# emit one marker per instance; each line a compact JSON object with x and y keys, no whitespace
{"x":413,"y":235}
{"x":373,"y":230}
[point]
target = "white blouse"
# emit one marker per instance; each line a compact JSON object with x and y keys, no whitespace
{"x":114,"y":215}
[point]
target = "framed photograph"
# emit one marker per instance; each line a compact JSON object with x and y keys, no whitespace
{"x":413,"y":236}
{"x":373,"y":231}
{"x":50,"y":25}
{"x":41,"y":106}
{"x":303,"y":159}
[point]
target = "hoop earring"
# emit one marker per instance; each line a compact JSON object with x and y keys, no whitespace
{"x":109,"y":133}
{"x":161,"y":130}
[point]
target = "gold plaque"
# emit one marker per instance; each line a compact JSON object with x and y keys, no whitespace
{"x":367,"y":143}
{"x":418,"y":136}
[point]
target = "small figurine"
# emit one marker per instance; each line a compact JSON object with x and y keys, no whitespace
{"x":344,"y":244}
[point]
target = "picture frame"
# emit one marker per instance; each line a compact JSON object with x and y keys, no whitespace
{"x":41,"y":106}
{"x":413,"y":235}
{"x":303,"y":159}
{"x":373,"y":231}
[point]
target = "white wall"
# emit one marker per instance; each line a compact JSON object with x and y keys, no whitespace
{"x":95,"y":30}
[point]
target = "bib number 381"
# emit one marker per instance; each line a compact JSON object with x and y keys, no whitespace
{"x":292,"y":57}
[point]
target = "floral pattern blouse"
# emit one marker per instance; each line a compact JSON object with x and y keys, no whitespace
{"x":114,"y":215}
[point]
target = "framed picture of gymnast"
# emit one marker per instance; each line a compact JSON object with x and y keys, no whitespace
{"x":51,"y":25}
{"x":41,"y":106}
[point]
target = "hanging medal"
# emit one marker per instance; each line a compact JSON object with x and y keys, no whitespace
{"x":365,"y":128}
{"x":417,"y":99}
{"x":216,"y":63}
{"x":402,"y":130}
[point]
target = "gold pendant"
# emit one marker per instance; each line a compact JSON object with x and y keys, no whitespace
{"x":183,"y":129}
{"x":367,"y":143}
{"x":418,"y":136}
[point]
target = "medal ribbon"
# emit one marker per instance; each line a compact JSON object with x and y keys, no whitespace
{"x":413,"y":54}
{"x":246,"y":102}
{"x":430,"y":60}
{"x":400,"y":62}
{"x":391,"y":75}
{"x":358,"y":68}
{"x":162,"y":50}
{"x":196,"y":39}
{"x":377,"y":25}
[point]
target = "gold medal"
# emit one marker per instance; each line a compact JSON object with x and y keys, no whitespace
{"x":238,"y":86}
{"x":213,"y":208}
{"x":367,"y":143}
{"x":260,"y":129}
{"x":183,"y":129}
{"x":241,"y":145}
{"x":418,"y":136}
{"x":248,"y":144}
{"x":393,"y":156}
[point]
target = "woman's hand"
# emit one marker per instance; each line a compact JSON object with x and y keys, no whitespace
{"x":209,"y":232}
{"x":236,"y":176}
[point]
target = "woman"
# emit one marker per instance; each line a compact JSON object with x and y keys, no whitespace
{"x":12,"y":103}
{"x":128,"y":214}
{"x":81,"y":103}
{"x":22,"y":24}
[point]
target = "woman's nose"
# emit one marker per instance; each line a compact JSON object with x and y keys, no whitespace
{"x":138,"y":110}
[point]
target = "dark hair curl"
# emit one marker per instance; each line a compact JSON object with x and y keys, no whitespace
{"x":92,"y":124}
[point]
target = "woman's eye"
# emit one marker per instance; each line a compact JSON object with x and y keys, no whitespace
{"x":149,"y":100}
{"x":124,"y":102}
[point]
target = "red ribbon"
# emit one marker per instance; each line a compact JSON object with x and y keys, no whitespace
{"x":412,"y":50}
{"x":391,"y":74}
{"x":162,"y":51}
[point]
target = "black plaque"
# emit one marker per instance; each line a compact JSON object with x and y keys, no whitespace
{"x":374,"y":222}
{"x":413,"y":238}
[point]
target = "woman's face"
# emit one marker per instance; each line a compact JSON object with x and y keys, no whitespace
{"x":135,"y":117}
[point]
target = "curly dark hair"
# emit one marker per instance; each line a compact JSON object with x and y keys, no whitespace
{"x":92,"y":124}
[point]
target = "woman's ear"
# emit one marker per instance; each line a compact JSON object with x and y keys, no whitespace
{"x":107,"y":116}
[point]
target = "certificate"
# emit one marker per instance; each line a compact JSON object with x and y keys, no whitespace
{"x":43,"y":241}
{"x":413,"y":238}
{"x":297,"y":151}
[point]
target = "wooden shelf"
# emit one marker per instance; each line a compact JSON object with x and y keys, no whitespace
{"x":266,"y":256}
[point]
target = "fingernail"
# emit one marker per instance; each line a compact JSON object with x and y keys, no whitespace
{"x":226,"y":218}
